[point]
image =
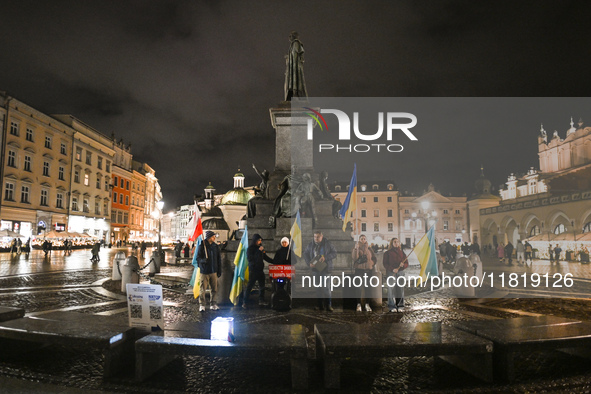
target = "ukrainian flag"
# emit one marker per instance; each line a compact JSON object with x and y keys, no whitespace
{"x":296,"y":235}
{"x":426,"y":253}
{"x":241,"y":270}
{"x":350,"y":203}
{"x":196,"y":279}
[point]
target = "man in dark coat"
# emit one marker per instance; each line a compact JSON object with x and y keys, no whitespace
{"x":509,"y":252}
{"x":256,"y":256}
{"x":210,"y":269}
{"x":318,"y":252}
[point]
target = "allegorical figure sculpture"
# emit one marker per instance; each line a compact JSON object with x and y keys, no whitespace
{"x":295,"y":85}
{"x":264,"y":187}
{"x":305,"y":196}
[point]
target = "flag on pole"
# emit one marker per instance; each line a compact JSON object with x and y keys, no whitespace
{"x":296,"y":235}
{"x":426,"y":253}
{"x":241,"y":270}
{"x":350,"y":203}
{"x":196,"y":279}
{"x":195,"y":227}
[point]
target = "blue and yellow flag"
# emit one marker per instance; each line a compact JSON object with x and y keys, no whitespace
{"x":350,"y":203}
{"x":296,"y":235}
{"x":196,"y":279}
{"x":241,"y":270}
{"x":426,"y":253}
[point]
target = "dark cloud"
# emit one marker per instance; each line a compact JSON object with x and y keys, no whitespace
{"x":189,"y":83}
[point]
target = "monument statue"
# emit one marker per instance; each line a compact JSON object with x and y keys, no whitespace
{"x":305,"y":196}
{"x":264,"y":187}
{"x":336,"y":205}
{"x":295,"y":85}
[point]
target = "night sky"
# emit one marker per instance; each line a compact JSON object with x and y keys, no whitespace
{"x":189,"y":83}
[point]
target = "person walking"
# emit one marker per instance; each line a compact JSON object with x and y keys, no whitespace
{"x":209,"y":260}
{"x":395,"y":262}
{"x":557,"y":251}
{"x":528,"y":253}
{"x":256,"y":256}
{"x":364,"y":259}
{"x":501,"y":253}
{"x":520,"y":249}
{"x":551,"y":253}
{"x":319,"y":255}
{"x":509,"y":252}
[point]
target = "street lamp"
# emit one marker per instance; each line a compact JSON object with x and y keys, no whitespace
{"x":160,"y":205}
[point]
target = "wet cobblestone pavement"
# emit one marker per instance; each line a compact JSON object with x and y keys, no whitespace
{"x":73,"y":283}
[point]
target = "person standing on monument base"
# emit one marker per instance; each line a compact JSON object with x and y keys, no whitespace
{"x":210,"y":266}
{"x":319,"y":255}
{"x":256,"y":256}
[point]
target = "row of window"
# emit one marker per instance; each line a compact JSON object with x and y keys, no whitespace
{"x":121,"y":183}
{"x":122,"y":217}
{"x":375,"y":199}
{"x":28,"y":163}
{"x":99,"y":162}
{"x":445,"y":211}
{"x":376,"y":227}
{"x":364,"y":187}
{"x":25,"y":198}
{"x":120,"y":198}
{"x":29,"y":136}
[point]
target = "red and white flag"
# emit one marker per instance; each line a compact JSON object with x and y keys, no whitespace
{"x":195,"y":229}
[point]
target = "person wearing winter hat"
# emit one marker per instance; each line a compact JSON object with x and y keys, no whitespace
{"x":256,"y":263}
{"x":210,"y":266}
{"x":283,"y":255}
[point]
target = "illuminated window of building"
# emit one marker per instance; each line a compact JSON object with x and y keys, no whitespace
{"x":9,"y":191}
{"x":27,"y":163}
{"x":86,"y":179}
{"x":535,"y":230}
{"x":25,"y":194}
{"x":559,"y":229}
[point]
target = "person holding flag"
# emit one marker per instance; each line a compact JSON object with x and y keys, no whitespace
{"x":210,"y":269}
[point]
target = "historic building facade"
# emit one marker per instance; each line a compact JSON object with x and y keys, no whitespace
{"x":122,"y":176}
{"x":36,"y":169}
{"x":58,"y":174}
{"x":547,"y":206}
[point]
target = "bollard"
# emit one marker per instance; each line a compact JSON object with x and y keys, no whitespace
{"x":152,"y":265}
{"x":156,"y":262}
{"x":129,"y":272}
{"x":118,"y":262}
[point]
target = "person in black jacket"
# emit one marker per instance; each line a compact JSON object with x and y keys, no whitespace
{"x":210,"y":267}
{"x":283,"y":255}
{"x":256,"y":257}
